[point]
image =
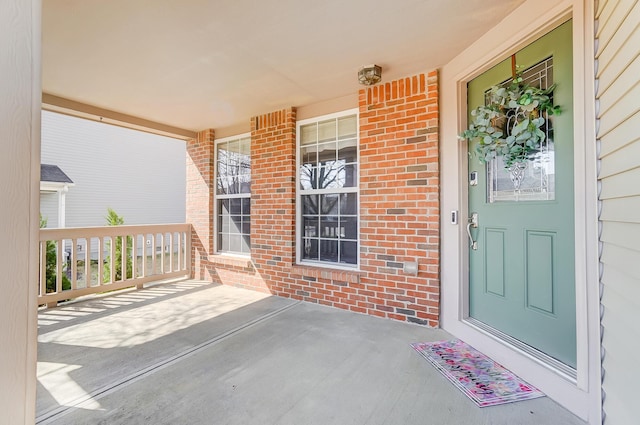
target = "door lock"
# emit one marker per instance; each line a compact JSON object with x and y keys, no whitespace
{"x":472,"y":222}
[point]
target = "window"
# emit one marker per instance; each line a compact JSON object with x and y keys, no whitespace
{"x":328,"y":190}
{"x":233,"y":195}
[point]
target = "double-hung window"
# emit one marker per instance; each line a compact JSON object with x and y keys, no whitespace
{"x":233,"y":195}
{"x":328,"y":190}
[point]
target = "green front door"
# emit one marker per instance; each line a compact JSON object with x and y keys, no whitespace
{"x":521,"y":272}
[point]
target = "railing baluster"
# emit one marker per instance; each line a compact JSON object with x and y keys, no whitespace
{"x":163,"y":242}
{"x":100,"y":261}
{"x":153,"y":254}
{"x":74,"y":263}
{"x":87,"y":262}
{"x":59,"y":244}
{"x":112,"y":257}
{"x":123,"y":257}
{"x":144,"y":255}
{"x":134,"y":255}
{"x":179,"y":250}
{"x":43,"y":268}
{"x":172,"y":264}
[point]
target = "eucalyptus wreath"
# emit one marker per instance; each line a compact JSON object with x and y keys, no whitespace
{"x":510,"y":124}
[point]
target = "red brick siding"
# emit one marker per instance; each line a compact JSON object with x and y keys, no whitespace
{"x":199,"y":208}
{"x":399,"y":210}
{"x":399,"y":198}
{"x":273,"y":149}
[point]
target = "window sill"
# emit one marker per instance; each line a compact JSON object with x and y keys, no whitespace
{"x":231,"y":260}
{"x":349,"y":276}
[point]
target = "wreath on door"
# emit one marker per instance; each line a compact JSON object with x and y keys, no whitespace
{"x":510,"y":125}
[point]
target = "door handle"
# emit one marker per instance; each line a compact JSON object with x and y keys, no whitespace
{"x":472,"y":222}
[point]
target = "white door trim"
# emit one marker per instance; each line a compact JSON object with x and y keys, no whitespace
{"x":527,"y":23}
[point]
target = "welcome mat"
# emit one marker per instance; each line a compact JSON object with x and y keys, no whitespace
{"x":484,"y":381}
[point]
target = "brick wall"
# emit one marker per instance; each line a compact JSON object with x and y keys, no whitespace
{"x":399,"y":210}
{"x":199,"y":208}
{"x":399,"y":198}
{"x":273,"y":212}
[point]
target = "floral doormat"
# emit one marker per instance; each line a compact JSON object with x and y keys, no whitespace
{"x":484,"y":381}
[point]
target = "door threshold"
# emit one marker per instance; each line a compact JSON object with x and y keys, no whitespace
{"x":563,"y":369}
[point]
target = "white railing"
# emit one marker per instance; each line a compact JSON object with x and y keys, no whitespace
{"x":81,"y":261}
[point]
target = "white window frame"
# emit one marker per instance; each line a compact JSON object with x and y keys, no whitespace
{"x":300,"y":192}
{"x":217,"y":197}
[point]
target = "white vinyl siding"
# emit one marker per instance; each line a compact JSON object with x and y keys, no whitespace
{"x":139,"y":175}
{"x":49,"y":208}
{"x":618,"y":91}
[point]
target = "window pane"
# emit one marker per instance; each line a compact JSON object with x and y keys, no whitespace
{"x":329,"y":204}
{"x":328,"y":250}
{"x":246,"y":206}
{"x":349,"y":226}
{"x":245,"y":147}
{"x":308,"y":176}
{"x":309,"y":155}
{"x":310,"y":249}
{"x":332,"y":176}
{"x":329,"y":227}
{"x":235,"y":243}
{"x":310,"y":204}
{"x":223,"y":223}
{"x":349,"y":203}
{"x":308,"y":134}
{"x":244,"y":183}
{"x":347,"y":126}
{"x":244,"y":163}
{"x":327,"y":130}
{"x":348,"y":150}
{"x":349,"y":177}
{"x":349,"y":252}
{"x":246,"y":244}
{"x":246,"y":225}
{"x":235,"y":205}
{"x":310,"y":226}
{"x":326,"y":152}
{"x":223,"y":186}
{"x":223,"y":242}
{"x":228,"y":186}
{"x":235,"y":224}
{"x":223,"y":206}
{"x":222,"y":154}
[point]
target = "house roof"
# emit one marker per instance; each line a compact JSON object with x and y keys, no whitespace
{"x":53,"y":174}
{"x":197,"y":64}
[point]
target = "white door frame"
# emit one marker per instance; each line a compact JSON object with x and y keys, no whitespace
{"x":527,"y":23}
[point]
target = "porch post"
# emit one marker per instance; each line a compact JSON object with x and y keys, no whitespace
{"x":199,"y":208}
{"x":20,"y":94}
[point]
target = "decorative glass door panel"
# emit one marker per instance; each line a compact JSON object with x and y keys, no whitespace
{"x":534,"y":178}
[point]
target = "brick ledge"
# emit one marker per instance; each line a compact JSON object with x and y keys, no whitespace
{"x":331,"y":274}
{"x":227,"y":260}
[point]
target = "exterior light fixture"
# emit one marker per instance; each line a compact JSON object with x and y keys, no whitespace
{"x":370,"y":75}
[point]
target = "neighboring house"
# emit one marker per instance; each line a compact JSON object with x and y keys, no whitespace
{"x":54,"y":185}
{"x":139,"y":175}
{"x":405,"y":182}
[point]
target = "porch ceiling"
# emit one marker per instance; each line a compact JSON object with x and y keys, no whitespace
{"x":196,"y":64}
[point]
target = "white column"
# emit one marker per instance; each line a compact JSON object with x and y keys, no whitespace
{"x":20,"y":99}
{"x":62,"y":206}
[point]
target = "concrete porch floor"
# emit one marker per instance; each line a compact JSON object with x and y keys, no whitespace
{"x":196,"y":353}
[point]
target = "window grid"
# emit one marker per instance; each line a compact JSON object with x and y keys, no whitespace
{"x":233,"y":195}
{"x":328,"y":191}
